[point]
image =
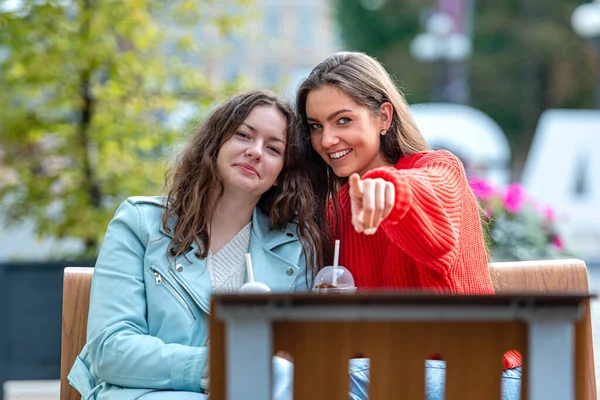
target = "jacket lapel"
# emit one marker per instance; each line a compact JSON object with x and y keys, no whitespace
{"x":275,"y":256}
{"x":191,"y":272}
{"x":195,"y":276}
{"x":275,"y":253}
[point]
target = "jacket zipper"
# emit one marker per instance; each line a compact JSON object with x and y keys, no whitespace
{"x":203,"y":308}
{"x":159,"y":280}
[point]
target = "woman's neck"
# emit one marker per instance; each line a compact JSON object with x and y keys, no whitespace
{"x":230,"y":215}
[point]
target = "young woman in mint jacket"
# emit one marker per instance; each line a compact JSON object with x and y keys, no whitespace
{"x":238,"y":187}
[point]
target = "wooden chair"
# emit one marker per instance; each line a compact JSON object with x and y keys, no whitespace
{"x":555,"y":276}
{"x":76,"y":302}
{"x":559,"y":276}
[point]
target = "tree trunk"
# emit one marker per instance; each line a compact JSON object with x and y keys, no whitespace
{"x":90,"y":182}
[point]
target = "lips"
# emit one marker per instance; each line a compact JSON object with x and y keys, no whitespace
{"x":340,"y":154}
{"x":247,"y":168}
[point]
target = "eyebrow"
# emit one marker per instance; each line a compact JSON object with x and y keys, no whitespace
{"x":331,"y":116}
{"x":253,"y":129}
{"x":276,"y":139}
{"x":270,"y":138}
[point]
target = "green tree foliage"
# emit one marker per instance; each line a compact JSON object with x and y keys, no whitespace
{"x":526,"y":57}
{"x":86,"y":91}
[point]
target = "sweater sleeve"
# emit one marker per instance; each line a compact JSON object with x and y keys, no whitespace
{"x":425,"y":220}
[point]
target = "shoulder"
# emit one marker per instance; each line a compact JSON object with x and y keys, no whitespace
{"x":261,"y":222}
{"x":271,"y":238}
{"x":440,"y":157}
{"x":436,"y":158}
{"x":147,"y":201}
{"x":144,"y":212}
{"x":149,"y":206}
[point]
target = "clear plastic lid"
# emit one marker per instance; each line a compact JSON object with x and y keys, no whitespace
{"x":254,"y":287}
{"x":333,"y":278}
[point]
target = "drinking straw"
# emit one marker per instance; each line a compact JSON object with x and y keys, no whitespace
{"x":249,"y":267}
{"x":336,"y":258}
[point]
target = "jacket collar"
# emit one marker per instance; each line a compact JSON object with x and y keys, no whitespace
{"x":269,"y":238}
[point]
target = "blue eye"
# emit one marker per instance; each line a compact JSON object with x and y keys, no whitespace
{"x":344,"y":120}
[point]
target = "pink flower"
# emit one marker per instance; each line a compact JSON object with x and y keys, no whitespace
{"x":482,"y":189}
{"x":549,"y":214}
{"x":558,"y":243}
{"x":514,"y":197}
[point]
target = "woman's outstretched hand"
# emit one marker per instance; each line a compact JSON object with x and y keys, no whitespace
{"x":372,"y":201}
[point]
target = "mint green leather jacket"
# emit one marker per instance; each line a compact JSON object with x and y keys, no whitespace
{"x":148,"y":317}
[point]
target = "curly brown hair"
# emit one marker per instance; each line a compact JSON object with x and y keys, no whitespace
{"x":195,"y":174}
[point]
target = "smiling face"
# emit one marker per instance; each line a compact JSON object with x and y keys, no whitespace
{"x":344,"y":133}
{"x":250,"y":161}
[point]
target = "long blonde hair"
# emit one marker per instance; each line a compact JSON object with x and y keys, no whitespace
{"x":364,"y":79}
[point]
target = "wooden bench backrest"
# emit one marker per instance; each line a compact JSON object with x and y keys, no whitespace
{"x":538,"y":276}
{"x":76,"y":302}
{"x":555,"y":276}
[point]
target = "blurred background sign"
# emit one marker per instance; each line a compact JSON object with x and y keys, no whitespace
{"x":563,"y":170}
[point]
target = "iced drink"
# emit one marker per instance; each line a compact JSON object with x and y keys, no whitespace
{"x":334,"y":280}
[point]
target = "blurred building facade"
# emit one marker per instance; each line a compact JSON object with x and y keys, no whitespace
{"x":288,"y":38}
{"x":279,"y":42}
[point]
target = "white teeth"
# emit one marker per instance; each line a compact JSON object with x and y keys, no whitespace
{"x":340,"y":154}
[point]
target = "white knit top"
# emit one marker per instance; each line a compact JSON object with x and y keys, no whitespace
{"x":227,"y":267}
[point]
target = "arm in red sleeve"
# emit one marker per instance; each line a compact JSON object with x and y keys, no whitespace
{"x":425,"y":220}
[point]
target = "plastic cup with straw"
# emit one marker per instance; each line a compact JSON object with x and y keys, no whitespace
{"x":251,"y":286}
{"x":334,"y":278}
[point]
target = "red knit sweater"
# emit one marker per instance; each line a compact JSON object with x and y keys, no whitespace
{"x":432,"y":240}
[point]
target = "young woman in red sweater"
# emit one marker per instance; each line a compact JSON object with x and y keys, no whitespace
{"x":405,"y":215}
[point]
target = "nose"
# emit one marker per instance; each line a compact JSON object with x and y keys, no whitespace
{"x":254,"y":151}
{"x":329,"y":139}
